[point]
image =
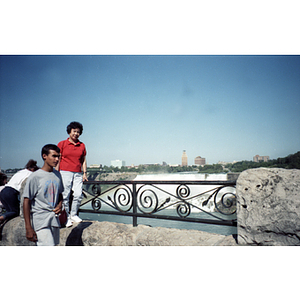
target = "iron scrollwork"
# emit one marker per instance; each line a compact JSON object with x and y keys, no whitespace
{"x":96,"y":203}
{"x":122,"y":199}
{"x":183,"y":191}
{"x":227,"y":203}
{"x":147,"y":201}
{"x":152,"y":198}
{"x":96,"y":189}
{"x":183,"y":209}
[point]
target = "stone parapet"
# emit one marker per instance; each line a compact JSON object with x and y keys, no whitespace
{"x":268,"y":207}
{"x":94,"y":233}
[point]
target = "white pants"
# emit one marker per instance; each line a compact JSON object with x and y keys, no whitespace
{"x":72,"y":181}
{"x":48,"y":236}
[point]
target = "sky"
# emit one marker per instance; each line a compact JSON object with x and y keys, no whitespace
{"x":147,"y":109}
{"x":148,"y":80}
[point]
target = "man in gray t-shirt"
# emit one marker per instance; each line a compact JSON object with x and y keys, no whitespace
{"x":43,"y":200}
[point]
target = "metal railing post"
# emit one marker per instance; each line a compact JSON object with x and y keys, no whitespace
{"x":134,"y":205}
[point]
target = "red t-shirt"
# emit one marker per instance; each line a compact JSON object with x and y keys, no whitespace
{"x":72,"y":156}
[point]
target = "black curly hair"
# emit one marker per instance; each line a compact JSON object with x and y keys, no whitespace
{"x":74,"y":125}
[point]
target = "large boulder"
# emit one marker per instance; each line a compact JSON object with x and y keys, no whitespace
{"x":94,"y":233}
{"x":13,"y":233}
{"x":268,"y":207}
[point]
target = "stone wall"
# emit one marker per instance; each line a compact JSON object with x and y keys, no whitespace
{"x":94,"y":233}
{"x":268,"y":207}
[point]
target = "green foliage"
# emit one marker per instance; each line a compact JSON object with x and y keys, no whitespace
{"x":290,"y":162}
{"x":215,"y":168}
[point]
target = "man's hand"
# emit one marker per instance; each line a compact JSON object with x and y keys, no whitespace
{"x":31,"y":234}
{"x":58,"y":208}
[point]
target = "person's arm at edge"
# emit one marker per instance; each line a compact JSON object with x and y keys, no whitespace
{"x":84,"y":167}
{"x":30,"y":233}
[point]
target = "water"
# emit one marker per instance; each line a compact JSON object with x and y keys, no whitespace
{"x":219,"y":229}
{"x":182,"y":176}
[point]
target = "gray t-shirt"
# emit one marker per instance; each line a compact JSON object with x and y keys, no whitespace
{"x":43,"y":189}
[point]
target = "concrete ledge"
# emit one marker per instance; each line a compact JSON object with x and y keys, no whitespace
{"x":94,"y":233}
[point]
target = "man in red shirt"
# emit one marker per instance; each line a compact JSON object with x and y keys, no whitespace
{"x":71,"y":165}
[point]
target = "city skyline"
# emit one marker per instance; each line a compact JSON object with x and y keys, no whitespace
{"x":201,"y":162}
{"x":185,"y":157}
{"x":145,"y":109}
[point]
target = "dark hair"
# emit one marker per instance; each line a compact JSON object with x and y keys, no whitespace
{"x":74,"y":125}
{"x":3,"y":178}
{"x":31,"y":165}
{"x":46,"y":149}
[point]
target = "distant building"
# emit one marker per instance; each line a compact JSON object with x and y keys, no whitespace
{"x":95,"y":166}
{"x":258,"y":158}
{"x":117,"y":163}
{"x":184,"y":159}
{"x":200,"y":161}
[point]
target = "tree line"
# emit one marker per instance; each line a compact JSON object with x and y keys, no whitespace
{"x":291,"y":161}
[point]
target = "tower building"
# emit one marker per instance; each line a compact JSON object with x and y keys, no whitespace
{"x":184,"y":159}
{"x":200,"y":161}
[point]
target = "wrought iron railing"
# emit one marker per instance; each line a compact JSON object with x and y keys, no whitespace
{"x":169,"y":200}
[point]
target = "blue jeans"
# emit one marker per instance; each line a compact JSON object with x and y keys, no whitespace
{"x":72,"y":181}
{"x":10,"y":200}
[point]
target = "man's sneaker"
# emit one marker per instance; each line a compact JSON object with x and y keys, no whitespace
{"x":69,"y":223}
{"x":76,"y":219}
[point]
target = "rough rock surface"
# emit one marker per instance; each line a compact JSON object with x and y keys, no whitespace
{"x":13,"y":233}
{"x":268,"y":207}
{"x":93,"y":233}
